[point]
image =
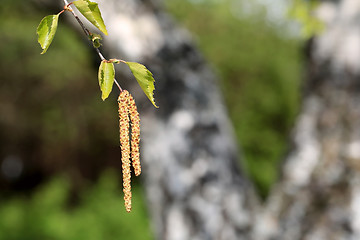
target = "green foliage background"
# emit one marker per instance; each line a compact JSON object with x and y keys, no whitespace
{"x":99,"y":215}
{"x":51,"y":115}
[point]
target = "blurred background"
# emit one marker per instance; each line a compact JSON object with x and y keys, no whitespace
{"x":59,"y":154}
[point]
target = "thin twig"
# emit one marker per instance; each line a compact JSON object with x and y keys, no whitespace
{"x":88,"y":34}
{"x":100,"y":54}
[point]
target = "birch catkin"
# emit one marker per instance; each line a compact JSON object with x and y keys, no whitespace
{"x":125,"y":146}
{"x":135,"y":135}
{"x":128,"y":113}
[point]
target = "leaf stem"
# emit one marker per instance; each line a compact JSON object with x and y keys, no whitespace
{"x":87,"y":33}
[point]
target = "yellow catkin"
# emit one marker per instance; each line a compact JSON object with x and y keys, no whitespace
{"x":135,"y":135}
{"x":124,"y":122}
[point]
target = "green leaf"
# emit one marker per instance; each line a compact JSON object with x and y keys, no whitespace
{"x":46,"y":31}
{"x":91,"y":12}
{"x":96,"y":39}
{"x":106,"y":78}
{"x":144,"y":78}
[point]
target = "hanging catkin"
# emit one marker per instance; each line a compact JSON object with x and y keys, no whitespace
{"x":123,"y":101}
{"x":128,"y":113}
{"x":135,"y":135}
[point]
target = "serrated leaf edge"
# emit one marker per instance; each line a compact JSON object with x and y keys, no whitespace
{"x":46,"y":47}
{"x":96,"y":24}
{"x":103,"y":63}
{"x":149,"y":88}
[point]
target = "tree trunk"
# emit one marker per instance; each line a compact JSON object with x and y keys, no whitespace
{"x":319,"y":193}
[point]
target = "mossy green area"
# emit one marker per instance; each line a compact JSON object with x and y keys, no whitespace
{"x":260,"y":69}
{"x":99,"y":214}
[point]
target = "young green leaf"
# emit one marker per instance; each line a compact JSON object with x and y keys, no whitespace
{"x":46,"y":31}
{"x":106,"y":78}
{"x":144,"y":78}
{"x":91,"y":12}
{"x":95,"y":39}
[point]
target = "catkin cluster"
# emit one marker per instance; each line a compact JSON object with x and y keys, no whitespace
{"x":128,"y":113}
